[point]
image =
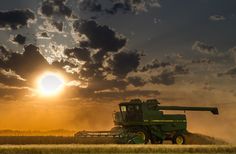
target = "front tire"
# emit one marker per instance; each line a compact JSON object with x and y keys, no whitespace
{"x":178,"y":139}
{"x":143,"y":134}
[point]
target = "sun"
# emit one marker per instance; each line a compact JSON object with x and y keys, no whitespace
{"x":50,"y":84}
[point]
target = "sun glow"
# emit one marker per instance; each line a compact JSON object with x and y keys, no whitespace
{"x":50,"y":84}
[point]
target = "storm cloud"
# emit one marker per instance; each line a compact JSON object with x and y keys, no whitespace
{"x":100,"y":37}
{"x":136,"y":81}
{"x":165,"y":78}
{"x":55,"y":7}
{"x":168,"y":75}
{"x":124,"y":62}
{"x":27,"y":63}
{"x":116,"y":6}
{"x":82,"y":54}
{"x":155,"y":64}
{"x":20,"y":39}
{"x":15,"y":18}
{"x":58,"y":25}
{"x":90,"y":5}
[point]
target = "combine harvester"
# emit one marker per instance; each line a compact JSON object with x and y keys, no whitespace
{"x":140,"y":122}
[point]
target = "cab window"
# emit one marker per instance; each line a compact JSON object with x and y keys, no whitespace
{"x":133,"y":108}
{"x":123,"y":108}
{"x":130,"y":108}
{"x":137,"y":107}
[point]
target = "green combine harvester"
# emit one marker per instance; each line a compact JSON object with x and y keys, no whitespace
{"x":140,"y":122}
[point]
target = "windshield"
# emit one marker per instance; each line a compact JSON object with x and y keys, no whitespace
{"x":123,"y":108}
{"x":131,"y":112}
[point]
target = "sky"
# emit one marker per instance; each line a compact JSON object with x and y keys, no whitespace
{"x":108,"y":51}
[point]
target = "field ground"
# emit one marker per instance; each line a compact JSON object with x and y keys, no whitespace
{"x":113,"y":148}
{"x":191,"y":139}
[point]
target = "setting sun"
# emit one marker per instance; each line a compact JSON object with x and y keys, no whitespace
{"x":50,"y":84}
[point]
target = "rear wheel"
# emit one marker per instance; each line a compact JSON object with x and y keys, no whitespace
{"x":178,"y":139}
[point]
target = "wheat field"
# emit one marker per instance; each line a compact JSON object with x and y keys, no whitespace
{"x":113,"y":148}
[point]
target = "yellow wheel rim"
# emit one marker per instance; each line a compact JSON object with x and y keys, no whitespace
{"x":179,"y":140}
{"x":141,"y":134}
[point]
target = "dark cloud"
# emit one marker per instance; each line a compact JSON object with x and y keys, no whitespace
{"x":100,"y":37}
{"x":95,"y":70}
{"x":58,"y":25}
{"x":55,"y":7}
{"x":136,"y":81}
{"x":204,"y":48}
{"x":60,"y":64}
{"x":90,"y":5}
{"x":123,"y":7}
{"x":82,"y":54}
{"x":155,"y":64}
{"x":95,"y":74}
{"x":99,"y":56}
{"x":121,"y":63}
{"x":15,"y":18}
{"x":91,"y":70}
{"x":168,"y":75}
{"x":107,"y":41}
{"x":179,"y":69}
{"x":26,"y":64}
{"x":20,"y":39}
{"x":217,"y":18}
{"x":44,"y":34}
{"x":165,"y":78}
{"x":115,"y":6}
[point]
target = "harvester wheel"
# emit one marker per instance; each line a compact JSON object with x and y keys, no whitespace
{"x":178,"y":139}
{"x":143,"y":134}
